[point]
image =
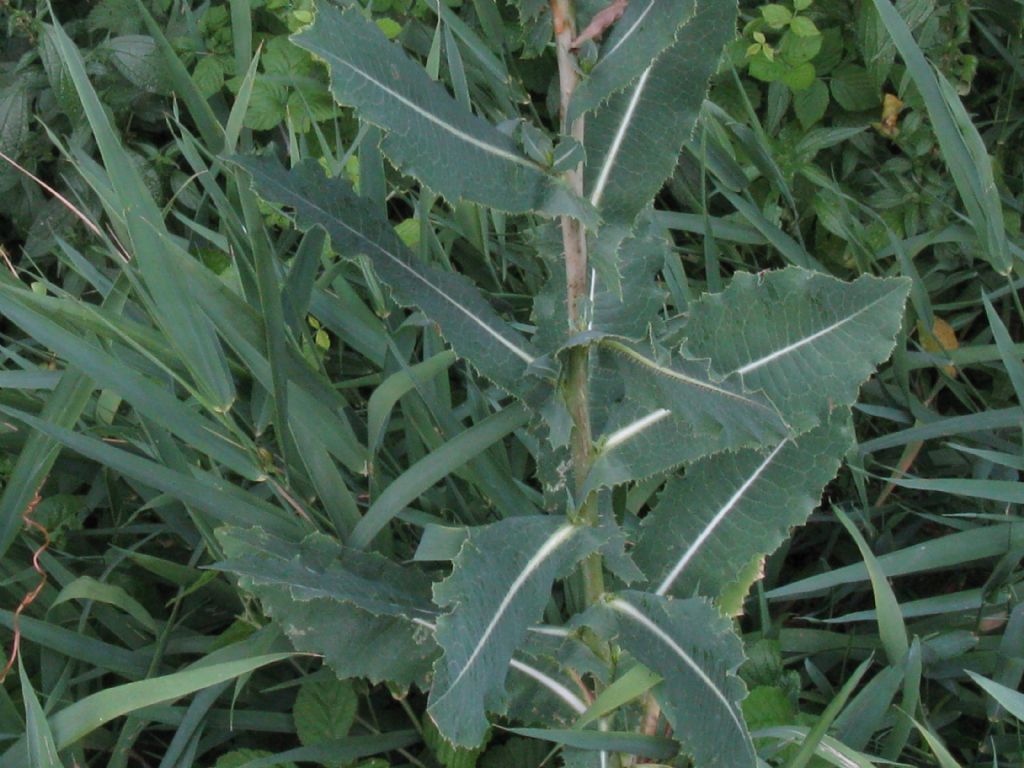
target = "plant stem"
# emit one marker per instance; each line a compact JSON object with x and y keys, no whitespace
{"x":574,"y":237}
{"x":574,"y":242}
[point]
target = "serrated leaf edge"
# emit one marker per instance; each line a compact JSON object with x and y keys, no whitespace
{"x":627,"y":609}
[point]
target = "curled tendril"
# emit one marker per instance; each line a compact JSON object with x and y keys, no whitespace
{"x":29,"y":598}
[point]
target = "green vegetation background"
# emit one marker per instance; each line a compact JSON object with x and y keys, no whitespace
{"x":816,"y":141}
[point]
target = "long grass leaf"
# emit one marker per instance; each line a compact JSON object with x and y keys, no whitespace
{"x":961,"y":144}
{"x":86,"y":715}
{"x":433,"y":467}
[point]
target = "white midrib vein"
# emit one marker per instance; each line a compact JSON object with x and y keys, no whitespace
{"x":629,"y":610}
{"x":575,"y":702}
{"x":620,"y":136}
{"x":641,"y":360}
{"x":557,"y":539}
{"x":629,"y":33}
{"x":628,"y":432}
{"x":728,"y":507}
{"x":571,"y":699}
{"x":520,"y":353}
{"x":755,"y":364}
{"x":427,"y":115}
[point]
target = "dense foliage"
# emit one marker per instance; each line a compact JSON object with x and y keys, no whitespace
{"x":314,"y":450}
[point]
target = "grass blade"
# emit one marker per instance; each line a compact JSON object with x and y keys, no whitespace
{"x":436,"y":465}
{"x":86,"y":715}
{"x":961,"y":144}
{"x":890,"y":621}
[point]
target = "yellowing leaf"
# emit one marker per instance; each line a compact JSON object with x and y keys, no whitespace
{"x":941,"y":338}
{"x":891,"y":108}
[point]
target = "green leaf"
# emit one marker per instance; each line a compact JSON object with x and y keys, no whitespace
{"x":1012,"y":701}
{"x":252,"y":111}
{"x":854,"y":89}
{"x":201,"y":112}
{"x":199,"y":489}
{"x":663,"y":413}
{"x":394,"y":387}
{"x":356,"y":226}
{"x":638,"y":442}
{"x":14,"y":111}
{"x":530,"y":9}
{"x":343,"y":751}
{"x":942,"y":754}
{"x":1004,"y":342}
{"x":241,"y":757}
{"x":799,"y":50}
{"x":807,"y":340}
{"x":962,"y":146}
{"x":57,"y":74}
{"x":208,"y":75}
{"x":633,"y":684}
{"x":628,"y":310}
{"x":283,"y":57}
{"x":776,"y":15}
{"x":136,"y":57}
{"x":816,"y":734}
{"x":42,"y":750}
{"x":37,"y":316}
{"x":157,"y":258}
{"x":542,"y":692}
{"x":811,"y":103}
{"x":733,"y":507}
{"x":91,"y":712}
{"x":633,"y":142}
{"x":693,"y":648}
{"x":767,"y":705}
{"x":655,"y":747}
{"x":644,"y":32}
{"x":499,"y":585}
{"x":891,"y":629}
{"x":319,"y":567}
{"x":685,"y":388}
{"x":767,"y":70}
{"x":950,"y":551}
{"x":367,"y":616}
{"x":436,"y":465}
{"x":63,"y":407}
{"x":267,"y":106}
{"x":802,"y":26}
{"x":447,"y":755}
{"x":800,"y":77}
{"x":324,"y":710}
{"x":429,"y":135}
{"x":117,"y":16}
{"x":88,"y":588}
